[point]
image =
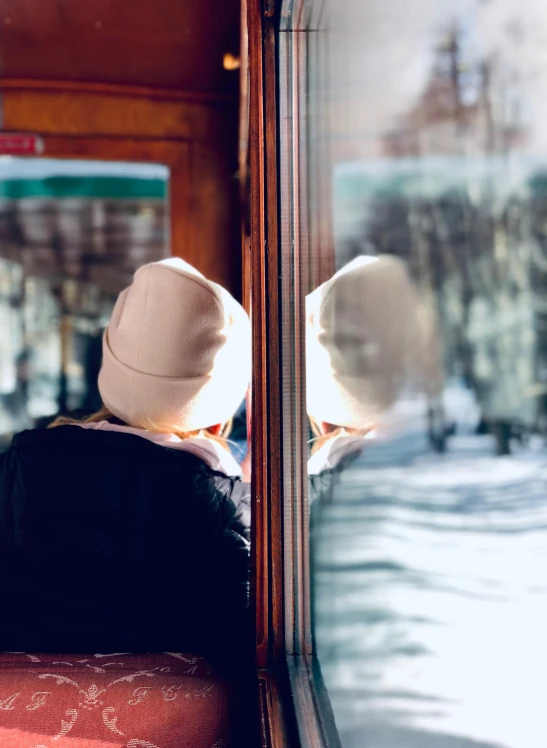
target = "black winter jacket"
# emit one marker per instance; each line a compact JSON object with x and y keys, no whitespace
{"x":111,"y":543}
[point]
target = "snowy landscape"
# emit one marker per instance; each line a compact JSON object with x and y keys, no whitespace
{"x":431,"y":590}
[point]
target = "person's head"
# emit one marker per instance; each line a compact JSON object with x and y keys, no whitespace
{"x":367,"y":342}
{"x":176,"y":352}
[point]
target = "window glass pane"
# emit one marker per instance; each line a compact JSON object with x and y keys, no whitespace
{"x":427,"y":372}
{"x":72,"y":233}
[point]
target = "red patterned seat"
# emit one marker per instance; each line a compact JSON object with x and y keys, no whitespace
{"x":112,"y":701}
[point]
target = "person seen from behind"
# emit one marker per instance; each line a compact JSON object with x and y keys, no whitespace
{"x":129,"y":531}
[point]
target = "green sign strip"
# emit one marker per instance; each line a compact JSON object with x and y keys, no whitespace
{"x":90,"y":187}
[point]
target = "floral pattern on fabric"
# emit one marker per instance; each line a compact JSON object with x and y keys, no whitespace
{"x":119,"y":700}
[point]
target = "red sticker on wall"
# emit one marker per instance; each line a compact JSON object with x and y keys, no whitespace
{"x":20,"y":144}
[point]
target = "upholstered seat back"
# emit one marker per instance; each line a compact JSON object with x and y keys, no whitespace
{"x":112,"y":701}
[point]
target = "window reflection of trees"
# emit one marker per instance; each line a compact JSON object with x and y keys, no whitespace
{"x":463,"y":200}
{"x":424,"y":565}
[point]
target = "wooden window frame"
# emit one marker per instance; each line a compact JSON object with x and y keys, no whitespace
{"x":294,"y":706}
{"x":191,"y":134}
{"x":173,"y":154}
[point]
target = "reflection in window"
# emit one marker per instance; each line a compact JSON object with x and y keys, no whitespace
{"x":428,"y":513}
{"x":71,"y":236}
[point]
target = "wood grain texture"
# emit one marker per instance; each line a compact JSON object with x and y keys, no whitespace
{"x":113,"y":89}
{"x":264,"y":281}
{"x":94,"y":111}
{"x":277,"y":728}
{"x":139,"y":70}
{"x":274,"y":269}
{"x":165,"y":43}
{"x":257,"y":243}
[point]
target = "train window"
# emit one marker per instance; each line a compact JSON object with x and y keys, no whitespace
{"x":72,"y":233}
{"x":413,"y":203}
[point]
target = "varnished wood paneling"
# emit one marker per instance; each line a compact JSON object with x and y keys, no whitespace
{"x":170,"y":153}
{"x":113,"y":89}
{"x":243,"y":151}
{"x":273,"y":258}
{"x":214,"y":219}
{"x":86,"y":112}
{"x":266,"y":405}
{"x":276,"y":721}
{"x":260,"y":545}
{"x":165,"y":43}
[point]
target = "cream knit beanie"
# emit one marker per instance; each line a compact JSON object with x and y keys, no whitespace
{"x":369,"y":339}
{"x":177,"y":351}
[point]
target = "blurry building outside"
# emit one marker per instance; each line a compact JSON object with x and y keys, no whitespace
{"x":72,"y":233}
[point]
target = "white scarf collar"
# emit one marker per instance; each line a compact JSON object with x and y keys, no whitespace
{"x":402,"y":419}
{"x":333,"y":452}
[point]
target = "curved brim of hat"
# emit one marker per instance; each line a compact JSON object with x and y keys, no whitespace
{"x":153,"y":402}
{"x":347,"y":401}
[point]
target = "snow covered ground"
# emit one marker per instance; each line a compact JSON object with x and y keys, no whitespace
{"x":431,"y":589}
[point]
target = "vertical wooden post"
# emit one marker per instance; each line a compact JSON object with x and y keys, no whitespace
{"x":266,"y":384}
